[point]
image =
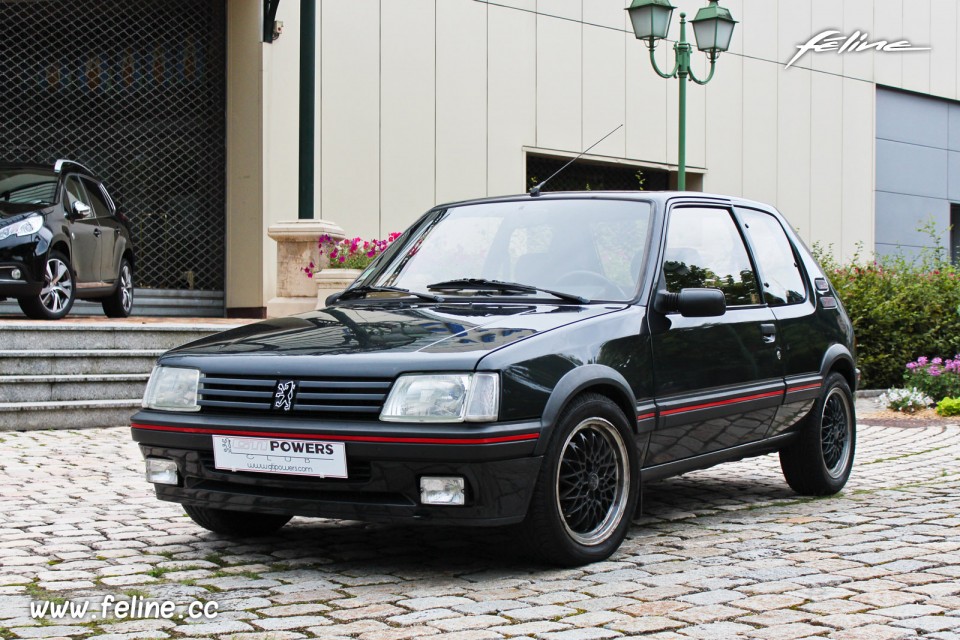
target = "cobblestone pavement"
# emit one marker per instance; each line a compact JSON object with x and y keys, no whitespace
{"x":726,"y":552}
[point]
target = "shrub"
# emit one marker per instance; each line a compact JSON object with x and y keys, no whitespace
{"x":901,"y":307}
{"x":936,"y":377}
{"x":949,"y":407}
{"x":905,"y":400}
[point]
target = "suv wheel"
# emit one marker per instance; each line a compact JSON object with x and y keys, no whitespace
{"x":235,"y":523}
{"x":58,"y":293}
{"x":587,"y":488}
{"x":819,"y":463}
{"x":119,"y":304}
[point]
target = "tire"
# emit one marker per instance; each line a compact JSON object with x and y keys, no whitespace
{"x":820,"y":461}
{"x":119,"y":304}
{"x":58,"y":293}
{"x":587,"y":488}
{"x":235,"y":523}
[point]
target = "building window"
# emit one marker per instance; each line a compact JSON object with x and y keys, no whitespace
{"x":588,"y":175}
{"x":955,"y":233}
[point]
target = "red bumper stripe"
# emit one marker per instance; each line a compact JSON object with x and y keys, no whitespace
{"x":522,"y":437}
{"x":721,"y":403}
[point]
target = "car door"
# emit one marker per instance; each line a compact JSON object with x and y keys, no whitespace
{"x":718,"y":380}
{"x":85,"y":234}
{"x":110,"y":231}
{"x":803,"y":340}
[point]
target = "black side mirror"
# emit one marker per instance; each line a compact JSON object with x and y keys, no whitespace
{"x":692,"y":303}
{"x":332,"y":298}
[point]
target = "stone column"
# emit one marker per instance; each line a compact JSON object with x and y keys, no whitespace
{"x":296,"y":248}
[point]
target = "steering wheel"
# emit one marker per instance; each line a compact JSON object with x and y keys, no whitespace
{"x":602,"y":287}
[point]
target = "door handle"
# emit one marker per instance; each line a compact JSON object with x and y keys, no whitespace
{"x":768,"y":332}
{"x":97,"y":232}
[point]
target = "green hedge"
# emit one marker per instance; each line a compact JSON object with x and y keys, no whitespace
{"x":901,"y":308}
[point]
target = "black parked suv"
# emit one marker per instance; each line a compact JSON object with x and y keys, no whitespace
{"x":62,"y":238}
{"x":525,"y":361}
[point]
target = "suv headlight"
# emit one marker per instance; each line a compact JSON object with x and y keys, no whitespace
{"x":172,"y":389}
{"x":22,"y":228}
{"x":446,"y":397}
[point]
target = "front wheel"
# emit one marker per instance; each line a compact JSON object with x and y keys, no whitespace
{"x":587,"y":488}
{"x":58,"y":293}
{"x":820,"y":461}
{"x":235,"y":523}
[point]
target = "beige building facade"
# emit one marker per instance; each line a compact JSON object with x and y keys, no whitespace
{"x":420,"y":102}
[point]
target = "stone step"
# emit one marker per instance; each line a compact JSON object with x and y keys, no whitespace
{"x":76,"y":414}
{"x":100,"y":335}
{"x":28,"y":389}
{"x":77,"y":361}
{"x":149,"y":302}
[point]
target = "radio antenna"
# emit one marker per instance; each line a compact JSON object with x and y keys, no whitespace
{"x":535,"y":191}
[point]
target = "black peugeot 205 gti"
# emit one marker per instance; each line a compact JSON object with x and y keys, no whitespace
{"x":526,"y":361}
{"x":62,"y":238}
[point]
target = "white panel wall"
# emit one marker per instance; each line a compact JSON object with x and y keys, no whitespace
{"x":425,"y":101}
{"x":349,"y":182}
{"x":407,"y":113}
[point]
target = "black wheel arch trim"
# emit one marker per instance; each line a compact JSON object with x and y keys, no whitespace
{"x":575,"y":382}
{"x":838,"y":358}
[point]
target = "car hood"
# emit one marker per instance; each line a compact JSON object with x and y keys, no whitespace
{"x":351,"y":335}
{"x":14,"y":211}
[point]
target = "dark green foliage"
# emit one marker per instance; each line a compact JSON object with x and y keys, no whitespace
{"x":902,"y":308}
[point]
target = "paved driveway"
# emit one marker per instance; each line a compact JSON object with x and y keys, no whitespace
{"x":720,"y":553}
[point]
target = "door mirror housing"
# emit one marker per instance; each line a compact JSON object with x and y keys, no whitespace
{"x":692,"y":303}
{"x":81,"y":210}
{"x":332,"y":298}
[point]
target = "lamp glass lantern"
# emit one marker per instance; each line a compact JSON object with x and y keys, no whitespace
{"x":650,"y":18}
{"x":713,"y":29}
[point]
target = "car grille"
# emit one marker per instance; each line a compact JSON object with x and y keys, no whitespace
{"x":333,"y":397}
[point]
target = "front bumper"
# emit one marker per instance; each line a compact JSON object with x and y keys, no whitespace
{"x":23,"y":258}
{"x":384,"y":467}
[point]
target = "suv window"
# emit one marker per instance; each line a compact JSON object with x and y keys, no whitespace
{"x":704,"y":249}
{"x":782,"y":279}
{"x":100,"y":206}
{"x":75,"y":193}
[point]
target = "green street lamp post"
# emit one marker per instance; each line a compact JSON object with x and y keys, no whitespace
{"x":713,"y":30}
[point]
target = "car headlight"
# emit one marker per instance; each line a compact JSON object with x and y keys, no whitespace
{"x":22,"y":228}
{"x":172,"y":389}
{"x":447,"y":397}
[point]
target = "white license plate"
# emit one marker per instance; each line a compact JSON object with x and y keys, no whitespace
{"x":276,"y":455}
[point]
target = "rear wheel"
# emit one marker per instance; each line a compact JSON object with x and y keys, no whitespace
{"x":235,"y":523}
{"x":119,"y":304}
{"x":587,"y":487}
{"x":820,"y":461}
{"x":58,"y":293}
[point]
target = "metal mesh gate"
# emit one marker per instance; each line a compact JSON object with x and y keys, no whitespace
{"x":135,"y":90}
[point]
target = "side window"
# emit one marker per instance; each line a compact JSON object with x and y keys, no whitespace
{"x":704,"y":249}
{"x":100,"y":206}
{"x":74,"y":193}
{"x":782,"y":279}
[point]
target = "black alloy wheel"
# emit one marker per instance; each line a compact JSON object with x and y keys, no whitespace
{"x":820,"y":460}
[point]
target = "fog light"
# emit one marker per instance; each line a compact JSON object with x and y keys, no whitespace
{"x":444,"y":491}
{"x":160,"y":471}
{"x":15,"y":274}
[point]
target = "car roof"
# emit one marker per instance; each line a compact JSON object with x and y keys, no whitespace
{"x":661,"y":197}
{"x":67,"y":166}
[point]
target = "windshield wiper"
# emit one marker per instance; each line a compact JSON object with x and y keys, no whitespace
{"x":480,"y":284}
{"x":357,"y":291}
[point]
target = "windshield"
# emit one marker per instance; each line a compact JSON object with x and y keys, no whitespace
{"x":27,"y":186}
{"x":585,"y":247}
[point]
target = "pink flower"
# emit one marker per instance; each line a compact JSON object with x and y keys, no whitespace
{"x":937,"y":361}
{"x":922,"y":361}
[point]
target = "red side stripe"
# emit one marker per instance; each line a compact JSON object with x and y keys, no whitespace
{"x":647,"y":416}
{"x":721,"y":403}
{"x":804,"y":387}
{"x":338,"y":438}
